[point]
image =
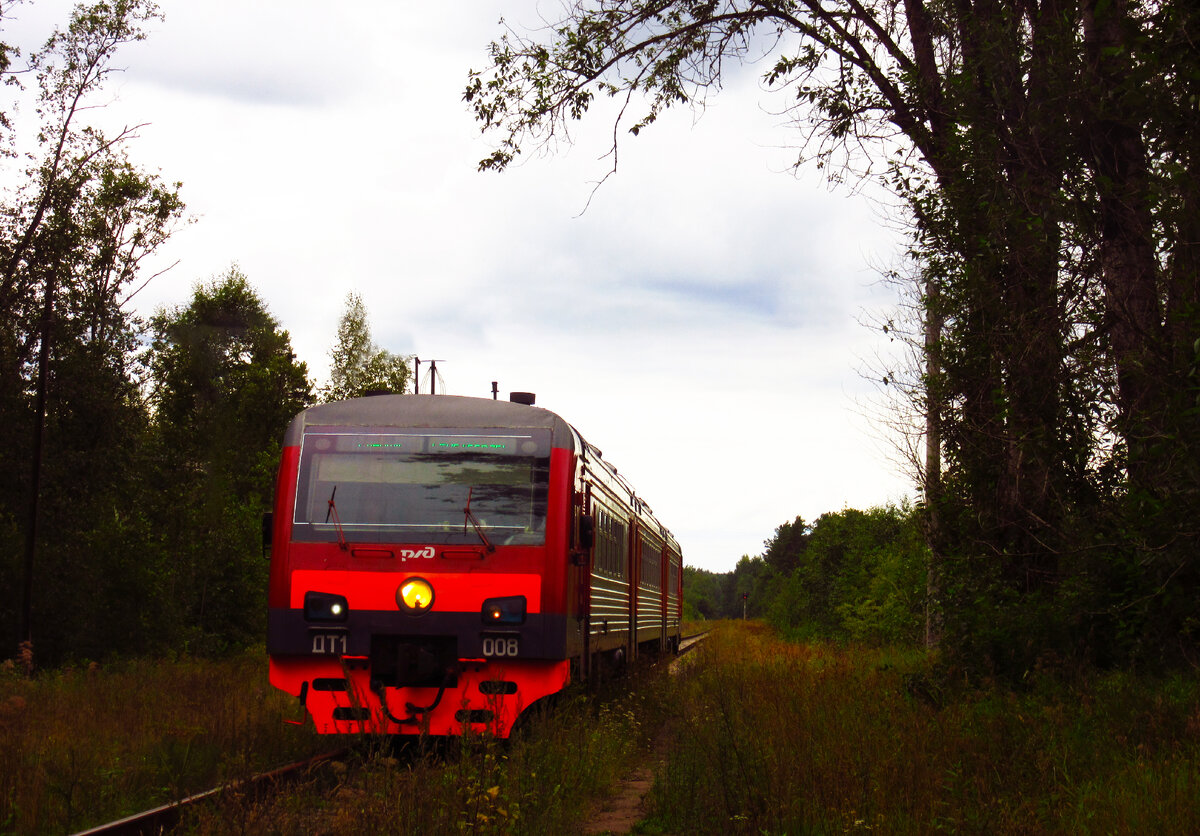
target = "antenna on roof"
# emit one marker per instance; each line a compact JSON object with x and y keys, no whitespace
{"x":433,"y":376}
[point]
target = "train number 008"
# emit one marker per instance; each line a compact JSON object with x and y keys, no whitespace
{"x":500,"y":646}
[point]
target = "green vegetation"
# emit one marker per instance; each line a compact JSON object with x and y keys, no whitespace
{"x":541,"y":782}
{"x":153,"y":494}
{"x":83,"y":746}
{"x":852,"y":575}
{"x":359,"y":365}
{"x":1048,"y":165}
{"x":1045,"y":158}
{"x":753,"y":735}
{"x":776,"y":737}
{"x":140,"y":456}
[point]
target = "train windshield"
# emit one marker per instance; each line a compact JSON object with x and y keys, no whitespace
{"x":413,"y":486}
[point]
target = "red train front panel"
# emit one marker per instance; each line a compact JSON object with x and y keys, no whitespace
{"x":419,"y":576}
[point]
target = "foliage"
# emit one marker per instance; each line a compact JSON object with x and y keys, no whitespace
{"x":75,"y":228}
{"x":226,"y":385}
{"x":859,"y":577}
{"x":359,"y":366}
{"x":713,"y":596}
{"x":852,"y":576}
{"x":773,"y":737}
{"x":1044,"y":156}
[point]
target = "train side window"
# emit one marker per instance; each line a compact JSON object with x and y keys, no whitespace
{"x":622,"y":551}
{"x":601,"y":538}
{"x":651,"y":564}
{"x":608,"y":544}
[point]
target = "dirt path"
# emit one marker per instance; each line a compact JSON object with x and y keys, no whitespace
{"x":620,"y":812}
{"x":623,"y":809}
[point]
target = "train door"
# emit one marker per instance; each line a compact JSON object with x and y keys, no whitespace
{"x":635,"y":577}
{"x":664,"y":592}
{"x":579,"y":572}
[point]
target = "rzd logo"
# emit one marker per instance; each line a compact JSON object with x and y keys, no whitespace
{"x":413,"y":554}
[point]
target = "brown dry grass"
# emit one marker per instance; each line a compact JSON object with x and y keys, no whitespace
{"x":765,"y":737}
{"x":784,"y":738}
{"x":537,"y":783}
{"x":90,"y":744}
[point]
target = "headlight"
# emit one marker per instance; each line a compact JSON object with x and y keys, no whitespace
{"x":504,"y":610}
{"x":325,"y":606}
{"x":415,"y":595}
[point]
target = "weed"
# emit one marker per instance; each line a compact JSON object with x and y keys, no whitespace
{"x":785,"y":738}
{"x":86,"y":745}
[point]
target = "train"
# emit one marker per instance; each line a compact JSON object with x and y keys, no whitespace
{"x":439,"y":564}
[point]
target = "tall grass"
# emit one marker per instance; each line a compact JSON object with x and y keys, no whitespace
{"x":538,"y":782}
{"x":775,"y":737}
{"x":82,"y":746}
{"x":755,"y":735}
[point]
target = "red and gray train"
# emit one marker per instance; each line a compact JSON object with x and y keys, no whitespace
{"x":441,"y":563}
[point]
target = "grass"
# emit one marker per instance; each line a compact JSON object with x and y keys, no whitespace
{"x":86,"y":745}
{"x":786,"y":738}
{"x":755,"y":736}
{"x":539,"y":782}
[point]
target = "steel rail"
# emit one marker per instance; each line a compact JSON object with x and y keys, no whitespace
{"x":164,"y":817}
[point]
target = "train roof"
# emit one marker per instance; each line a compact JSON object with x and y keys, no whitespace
{"x":433,"y":411}
{"x":457,"y":411}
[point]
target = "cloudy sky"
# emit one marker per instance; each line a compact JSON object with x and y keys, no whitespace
{"x":699,"y":322}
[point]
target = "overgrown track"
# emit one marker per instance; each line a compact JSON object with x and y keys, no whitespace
{"x":162,"y":819}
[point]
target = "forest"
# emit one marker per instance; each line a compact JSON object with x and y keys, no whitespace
{"x":850,"y":576}
{"x":1043,"y":159}
{"x":140,"y":453}
{"x":161,"y":448}
{"x":1042,"y":155}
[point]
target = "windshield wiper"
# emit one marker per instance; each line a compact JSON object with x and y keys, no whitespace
{"x":337,"y":520}
{"x":469,"y":517}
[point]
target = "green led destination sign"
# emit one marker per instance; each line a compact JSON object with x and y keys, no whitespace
{"x":439,"y":442}
{"x":504,"y":445}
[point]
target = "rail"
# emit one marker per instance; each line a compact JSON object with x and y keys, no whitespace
{"x":163,"y":818}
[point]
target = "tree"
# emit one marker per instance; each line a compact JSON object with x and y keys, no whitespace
{"x":225,"y":386}
{"x":360,"y":366}
{"x":1042,"y":153}
{"x":786,"y":548}
{"x":74,"y":231}
{"x":701,"y":594}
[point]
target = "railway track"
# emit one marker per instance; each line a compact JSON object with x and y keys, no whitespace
{"x":686,"y":645}
{"x":163,"y":818}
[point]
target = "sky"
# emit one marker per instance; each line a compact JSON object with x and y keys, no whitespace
{"x":699,"y":317}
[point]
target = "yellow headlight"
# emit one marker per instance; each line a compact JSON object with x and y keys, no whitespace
{"x":415,"y":595}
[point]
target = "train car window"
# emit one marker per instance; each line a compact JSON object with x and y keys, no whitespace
{"x":610,"y":548}
{"x":651,"y":564}
{"x":608,"y":544}
{"x":413,"y":486}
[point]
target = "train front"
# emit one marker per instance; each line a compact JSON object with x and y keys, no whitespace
{"x":418,"y":565}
